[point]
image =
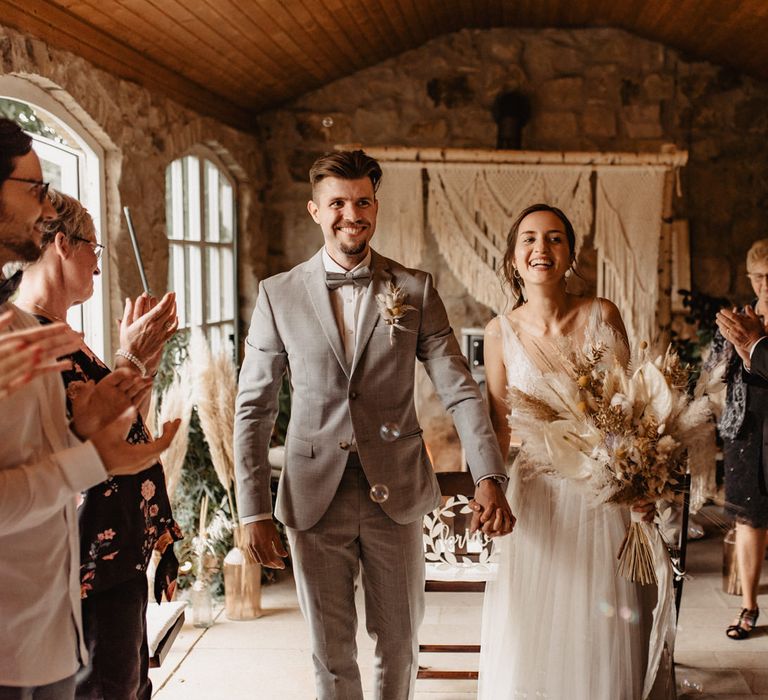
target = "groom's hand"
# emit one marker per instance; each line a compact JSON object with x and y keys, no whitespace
{"x":264,"y":544}
{"x":492,"y":512}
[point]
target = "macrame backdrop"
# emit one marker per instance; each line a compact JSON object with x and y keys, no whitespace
{"x":628,"y":223}
{"x":470,"y":209}
{"x":472,"y":198}
{"x":400,"y":222}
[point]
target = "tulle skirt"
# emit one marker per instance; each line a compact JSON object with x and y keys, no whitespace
{"x":558,"y":622}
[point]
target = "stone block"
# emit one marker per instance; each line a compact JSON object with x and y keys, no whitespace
{"x":564,"y":93}
{"x":642,"y":121}
{"x":603,"y":82}
{"x":555,"y":129}
{"x":658,"y":87}
{"x":599,"y":120}
{"x":547,"y":58}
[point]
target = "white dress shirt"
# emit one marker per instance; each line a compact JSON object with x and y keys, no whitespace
{"x":43,"y":467}
{"x":345,"y":301}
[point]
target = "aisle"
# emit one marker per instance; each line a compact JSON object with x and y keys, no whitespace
{"x":269,"y":659}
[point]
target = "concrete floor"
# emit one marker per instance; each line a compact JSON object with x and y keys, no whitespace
{"x":269,"y":658}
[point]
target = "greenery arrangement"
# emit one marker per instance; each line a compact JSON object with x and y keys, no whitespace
{"x":199,"y":485}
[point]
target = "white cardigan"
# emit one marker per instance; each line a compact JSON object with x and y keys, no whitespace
{"x":43,"y":467}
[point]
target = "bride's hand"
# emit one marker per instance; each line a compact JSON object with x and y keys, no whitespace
{"x":491,"y":509}
{"x":647,"y":507}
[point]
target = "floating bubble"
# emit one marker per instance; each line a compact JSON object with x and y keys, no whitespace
{"x":389,"y":432}
{"x":695,"y":531}
{"x":688,"y":684}
{"x":606,"y":608}
{"x":327,"y":122}
{"x":628,"y":614}
{"x":379,"y":493}
{"x":186,"y":567}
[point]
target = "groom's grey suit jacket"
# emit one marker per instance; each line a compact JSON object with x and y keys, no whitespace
{"x":293,"y":328}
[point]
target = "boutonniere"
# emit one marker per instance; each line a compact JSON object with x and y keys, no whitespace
{"x":392,"y":308}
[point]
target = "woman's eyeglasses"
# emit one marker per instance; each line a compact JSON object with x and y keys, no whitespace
{"x":42,"y":187}
{"x":758,"y":277}
{"x":97,"y":247}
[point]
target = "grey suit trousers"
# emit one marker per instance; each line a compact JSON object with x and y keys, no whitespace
{"x":355,"y":534}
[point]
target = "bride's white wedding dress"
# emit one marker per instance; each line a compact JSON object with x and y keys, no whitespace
{"x":558,"y":621}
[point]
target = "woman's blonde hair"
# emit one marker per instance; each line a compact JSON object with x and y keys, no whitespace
{"x":758,"y":253}
{"x":72,"y":219}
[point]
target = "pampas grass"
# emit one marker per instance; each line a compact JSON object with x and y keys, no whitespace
{"x":214,"y":389}
{"x":176,"y":401}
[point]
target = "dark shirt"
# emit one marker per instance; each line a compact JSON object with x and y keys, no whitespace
{"x":123,"y":519}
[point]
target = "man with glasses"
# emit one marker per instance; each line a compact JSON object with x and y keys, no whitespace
{"x":44,"y":465}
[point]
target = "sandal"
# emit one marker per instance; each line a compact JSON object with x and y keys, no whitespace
{"x":745,"y":624}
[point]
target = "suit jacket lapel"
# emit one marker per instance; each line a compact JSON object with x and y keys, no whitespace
{"x":314,"y":281}
{"x":369,"y":310}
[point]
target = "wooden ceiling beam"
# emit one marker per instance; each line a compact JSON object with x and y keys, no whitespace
{"x":62,"y":29}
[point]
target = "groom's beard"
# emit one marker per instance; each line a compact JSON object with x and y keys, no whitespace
{"x":356,"y":249}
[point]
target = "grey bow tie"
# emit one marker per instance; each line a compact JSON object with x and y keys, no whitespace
{"x":360,"y":276}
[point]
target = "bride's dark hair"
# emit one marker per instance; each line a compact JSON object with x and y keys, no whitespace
{"x":507,"y":269}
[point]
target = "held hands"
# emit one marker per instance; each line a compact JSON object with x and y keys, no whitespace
{"x":492,"y":512}
{"x":743,"y":330}
{"x":28,"y":353}
{"x":95,"y":406}
{"x":264,"y":545}
{"x":146,"y":326}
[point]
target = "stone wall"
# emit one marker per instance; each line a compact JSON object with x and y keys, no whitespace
{"x":141,"y":133}
{"x":592,"y":89}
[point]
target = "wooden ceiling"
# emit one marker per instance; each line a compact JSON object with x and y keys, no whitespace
{"x":232,"y":59}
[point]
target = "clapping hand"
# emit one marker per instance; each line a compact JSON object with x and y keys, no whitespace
{"x":146,"y":326}
{"x":28,"y":353}
{"x":743,"y":330}
{"x":492,"y":513}
{"x":120,"y":458}
{"x":95,"y":406}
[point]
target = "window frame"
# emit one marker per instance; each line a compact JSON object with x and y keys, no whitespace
{"x":204,"y":154}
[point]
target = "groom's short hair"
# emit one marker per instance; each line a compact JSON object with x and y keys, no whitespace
{"x":348,"y":165}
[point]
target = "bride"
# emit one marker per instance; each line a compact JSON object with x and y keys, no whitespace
{"x":558,"y":621}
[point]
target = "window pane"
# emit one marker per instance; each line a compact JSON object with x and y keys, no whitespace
{"x":211,"y":202}
{"x":221,"y":337}
{"x":194,"y":302}
{"x":227,"y":225}
{"x":176,"y":282}
{"x":213,"y":279}
{"x":178,"y":201}
{"x":192,"y":195}
{"x":227,"y":295}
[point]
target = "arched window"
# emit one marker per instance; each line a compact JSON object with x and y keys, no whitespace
{"x":201,"y":220}
{"x":73,"y":162}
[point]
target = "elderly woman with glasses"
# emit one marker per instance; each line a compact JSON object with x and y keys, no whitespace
{"x":124,"y":519}
{"x":744,"y":428}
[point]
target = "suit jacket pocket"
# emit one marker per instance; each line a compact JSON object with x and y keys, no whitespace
{"x":300,"y":447}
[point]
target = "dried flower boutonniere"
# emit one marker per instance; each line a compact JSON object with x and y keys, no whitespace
{"x":392,"y":308}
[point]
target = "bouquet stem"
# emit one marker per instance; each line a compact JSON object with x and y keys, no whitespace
{"x":635,"y":555}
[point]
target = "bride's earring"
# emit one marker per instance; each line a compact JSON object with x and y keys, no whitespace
{"x":516,"y":275}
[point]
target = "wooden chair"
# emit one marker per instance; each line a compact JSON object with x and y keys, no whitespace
{"x":164,"y":622}
{"x":446,"y":543}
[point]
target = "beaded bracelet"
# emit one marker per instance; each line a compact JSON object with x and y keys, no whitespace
{"x":135,"y":361}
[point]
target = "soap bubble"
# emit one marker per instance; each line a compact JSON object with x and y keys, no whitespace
{"x":327,"y":122}
{"x":690,"y":685}
{"x":379,"y":493}
{"x":628,"y":614}
{"x":186,"y":567}
{"x":389,"y":432}
{"x":606,"y":608}
{"x":695,"y":531}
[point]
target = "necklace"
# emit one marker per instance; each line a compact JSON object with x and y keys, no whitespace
{"x":48,"y":313}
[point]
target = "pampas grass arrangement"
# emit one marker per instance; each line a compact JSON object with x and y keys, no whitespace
{"x":176,"y":401}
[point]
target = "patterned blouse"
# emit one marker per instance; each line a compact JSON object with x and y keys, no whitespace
{"x":123,"y":519}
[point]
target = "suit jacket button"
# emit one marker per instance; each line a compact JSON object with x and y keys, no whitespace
{"x":344,"y":445}
{"x":352,"y":394}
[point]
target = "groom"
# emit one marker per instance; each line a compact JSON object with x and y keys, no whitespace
{"x":353,"y":426}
